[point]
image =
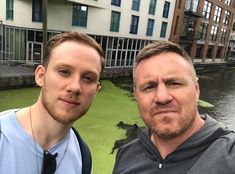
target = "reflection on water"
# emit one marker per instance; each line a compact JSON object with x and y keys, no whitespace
{"x":219,"y":89}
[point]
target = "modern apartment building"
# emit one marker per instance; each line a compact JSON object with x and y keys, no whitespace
{"x":203,"y":28}
{"x":122,"y":27}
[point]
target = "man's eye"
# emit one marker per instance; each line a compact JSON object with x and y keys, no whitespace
{"x":172,"y":83}
{"x":149,"y":87}
{"x":64,"y":72}
{"x":88,"y":79}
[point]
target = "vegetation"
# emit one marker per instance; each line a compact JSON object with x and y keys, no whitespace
{"x":98,"y":127}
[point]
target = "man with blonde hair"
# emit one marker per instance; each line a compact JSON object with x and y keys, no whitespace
{"x":39,"y":139}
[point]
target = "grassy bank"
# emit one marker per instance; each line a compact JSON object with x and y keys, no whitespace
{"x":98,"y":126}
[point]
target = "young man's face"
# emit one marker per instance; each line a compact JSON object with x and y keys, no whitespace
{"x":70,"y":81}
{"x":167,"y":92}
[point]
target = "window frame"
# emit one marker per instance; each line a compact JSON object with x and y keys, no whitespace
{"x":163,"y":29}
{"x":135,"y":5}
{"x":9,"y":9}
{"x":150,"y":27}
{"x":134,"y":24}
{"x":166,"y":9}
{"x":152,"y":7}
{"x":37,"y":11}
{"x":79,"y":19}
{"x":115,"y":21}
{"x":116,"y":2}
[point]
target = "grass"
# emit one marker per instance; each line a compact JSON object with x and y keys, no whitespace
{"x":98,"y":126}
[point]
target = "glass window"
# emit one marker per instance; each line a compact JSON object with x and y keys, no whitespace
{"x":228,"y":2}
{"x":166,"y":9}
{"x":134,"y":24}
{"x":202,"y":31}
{"x":188,"y":27}
{"x":207,"y":9}
{"x":150,"y":27}
{"x":213,"y":33}
{"x":223,"y":33}
{"x":135,"y":5}
{"x":116,"y":2}
{"x":217,"y":14}
{"x":79,"y":15}
{"x":163,"y":29}
{"x":115,"y":21}
{"x":9,"y":9}
{"x":37,"y":11}
{"x":226,"y":17}
{"x":152,"y":6}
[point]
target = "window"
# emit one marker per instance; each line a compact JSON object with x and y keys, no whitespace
{"x":150,"y":27}
{"x":116,"y":2}
{"x":228,"y":2}
{"x":226,"y":17}
{"x":134,"y":24}
{"x":188,"y":27}
{"x":166,"y":9}
{"x":135,"y":5}
{"x":9,"y":9}
{"x":79,"y":15}
{"x":152,"y":6}
{"x":202,"y":31}
{"x":37,"y":11}
{"x":213,"y":33}
{"x":115,"y":21}
{"x":223,"y":33}
{"x":217,"y":14}
{"x":163,"y":29}
{"x":207,"y":9}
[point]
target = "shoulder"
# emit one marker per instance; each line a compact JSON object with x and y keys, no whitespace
{"x":7,"y":113}
{"x":132,"y":149}
{"x":222,"y":152}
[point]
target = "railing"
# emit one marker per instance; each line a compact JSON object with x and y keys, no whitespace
{"x":193,"y":9}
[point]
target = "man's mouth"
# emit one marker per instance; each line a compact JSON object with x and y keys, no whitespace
{"x":69,"y":101}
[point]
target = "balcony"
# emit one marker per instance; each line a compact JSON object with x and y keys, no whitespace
{"x":192,"y":8}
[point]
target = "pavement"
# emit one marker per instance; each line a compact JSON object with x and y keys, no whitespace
{"x":8,"y":70}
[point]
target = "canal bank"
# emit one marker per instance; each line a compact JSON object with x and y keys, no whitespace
{"x":18,"y":75}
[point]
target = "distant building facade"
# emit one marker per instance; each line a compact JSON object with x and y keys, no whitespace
{"x":203,"y":28}
{"x":122,"y":27}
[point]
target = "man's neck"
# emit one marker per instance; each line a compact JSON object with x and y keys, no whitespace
{"x":47,"y":132}
{"x":165,"y":147}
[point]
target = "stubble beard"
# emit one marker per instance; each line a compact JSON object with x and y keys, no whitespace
{"x":52,"y":111}
{"x":167,"y":134}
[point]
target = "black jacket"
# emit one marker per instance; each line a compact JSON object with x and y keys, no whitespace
{"x":209,"y":151}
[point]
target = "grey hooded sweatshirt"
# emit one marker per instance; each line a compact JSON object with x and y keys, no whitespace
{"x":211,"y":150}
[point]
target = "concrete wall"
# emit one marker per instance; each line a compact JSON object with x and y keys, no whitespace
{"x":99,"y":16}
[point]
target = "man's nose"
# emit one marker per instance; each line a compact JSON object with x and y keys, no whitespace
{"x":75,"y":86}
{"x":162,"y":94}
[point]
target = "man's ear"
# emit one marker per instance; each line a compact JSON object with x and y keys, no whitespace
{"x":40,"y":75}
{"x":134,"y":91}
{"x":98,"y":86}
{"x":197,"y":89}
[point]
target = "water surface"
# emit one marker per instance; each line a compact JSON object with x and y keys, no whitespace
{"x":218,"y":88}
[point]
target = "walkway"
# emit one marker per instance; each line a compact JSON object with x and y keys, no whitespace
{"x":15,"y":71}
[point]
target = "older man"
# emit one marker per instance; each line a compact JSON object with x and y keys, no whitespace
{"x":179,"y":140}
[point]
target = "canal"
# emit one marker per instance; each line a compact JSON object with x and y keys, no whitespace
{"x":218,"y":88}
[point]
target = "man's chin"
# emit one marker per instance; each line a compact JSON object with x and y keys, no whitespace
{"x":167,"y":132}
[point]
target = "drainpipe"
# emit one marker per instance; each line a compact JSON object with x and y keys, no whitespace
{"x":1,"y":42}
{"x":44,"y":27}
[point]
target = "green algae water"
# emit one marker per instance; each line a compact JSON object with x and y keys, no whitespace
{"x":98,"y":127}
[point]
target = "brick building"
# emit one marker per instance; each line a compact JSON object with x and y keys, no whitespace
{"x":203,"y":28}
